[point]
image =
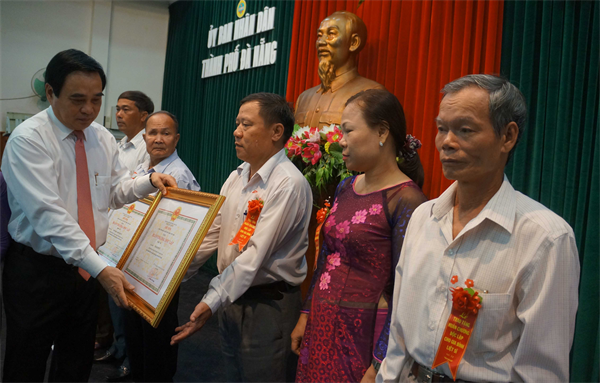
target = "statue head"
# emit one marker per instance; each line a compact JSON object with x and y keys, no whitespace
{"x":340,"y":37}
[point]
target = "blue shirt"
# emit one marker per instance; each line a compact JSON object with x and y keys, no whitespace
{"x":172,"y":166}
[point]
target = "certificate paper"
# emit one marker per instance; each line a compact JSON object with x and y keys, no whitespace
{"x":122,"y":224}
{"x":163,"y":246}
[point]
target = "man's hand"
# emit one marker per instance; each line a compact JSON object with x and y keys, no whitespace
{"x":370,"y":375}
{"x":161,"y":181}
{"x":201,"y":314}
{"x":298,"y":333}
{"x":113,"y":281}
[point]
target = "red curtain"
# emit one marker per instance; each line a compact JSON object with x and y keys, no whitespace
{"x":413,"y":48}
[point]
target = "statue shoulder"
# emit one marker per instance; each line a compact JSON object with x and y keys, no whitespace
{"x":363,"y":83}
{"x":309,"y":92}
{"x":306,"y":96}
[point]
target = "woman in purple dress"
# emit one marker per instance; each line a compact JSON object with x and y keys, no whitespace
{"x":336,"y":336}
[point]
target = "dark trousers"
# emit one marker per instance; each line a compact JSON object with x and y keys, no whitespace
{"x":47,"y":302}
{"x":255,"y":335}
{"x":104,"y":328}
{"x":118,"y":348}
{"x":151,"y":356}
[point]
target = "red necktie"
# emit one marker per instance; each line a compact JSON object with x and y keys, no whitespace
{"x":85,"y":212}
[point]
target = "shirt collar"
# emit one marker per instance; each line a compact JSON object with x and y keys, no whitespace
{"x":62,"y":132}
{"x":341,"y":80}
{"x":162,"y":165}
{"x":135,"y":141}
{"x":500,"y":209}
{"x":265,"y":171}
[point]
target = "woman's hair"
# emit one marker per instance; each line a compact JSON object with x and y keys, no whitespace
{"x":380,"y":107}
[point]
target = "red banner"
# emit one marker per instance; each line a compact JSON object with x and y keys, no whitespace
{"x":455,"y":339}
{"x":249,"y":226}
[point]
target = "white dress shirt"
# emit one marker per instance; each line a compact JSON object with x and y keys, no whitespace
{"x":40,"y":172}
{"x":134,"y":152}
{"x":523,"y":255}
{"x":173,"y":166}
{"x":276,"y":250}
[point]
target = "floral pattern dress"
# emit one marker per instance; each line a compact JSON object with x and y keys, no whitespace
{"x":362,"y":240}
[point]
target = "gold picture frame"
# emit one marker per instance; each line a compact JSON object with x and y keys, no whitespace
{"x":163,"y":246}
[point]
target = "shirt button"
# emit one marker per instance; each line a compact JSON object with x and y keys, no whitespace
{"x":431,"y":326}
{"x":441,"y":288}
{"x":451,"y":252}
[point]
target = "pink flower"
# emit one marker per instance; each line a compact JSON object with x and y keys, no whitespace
{"x":375,"y":209}
{"x":334,"y":208}
{"x":312,"y":153}
{"x":342,"y":229}
{"x":359,"y":217}
{"x":329,"y":223}
{"x":333,"y":260}
{"x":335,"y":135}
{"x":325,"y":279}
{"x":314,"y":136}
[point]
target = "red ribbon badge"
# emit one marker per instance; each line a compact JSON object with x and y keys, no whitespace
{"x":465,"y":308}
{"x":321,"y":217}
{"x":249,"y":226}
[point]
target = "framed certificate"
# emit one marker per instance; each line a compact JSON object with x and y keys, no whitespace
{"x":163,"y":246}
{"x":122,"y":225}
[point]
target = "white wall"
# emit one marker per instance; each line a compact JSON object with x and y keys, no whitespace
{"x":128,"y":38}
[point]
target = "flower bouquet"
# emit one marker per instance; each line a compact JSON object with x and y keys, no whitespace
{"x":318,"y":155}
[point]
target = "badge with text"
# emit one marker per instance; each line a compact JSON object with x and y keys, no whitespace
{"x":249,"y":226}
{"x":466,"y":304}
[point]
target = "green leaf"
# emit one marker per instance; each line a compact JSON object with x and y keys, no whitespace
{"x":335,"y":147}
{"x":296,"y":127}
{"x":337,"y":155}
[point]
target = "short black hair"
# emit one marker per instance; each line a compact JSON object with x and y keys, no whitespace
{"x":274,"y":109}
{"x":66,"y":62}
{"x":141,"y":101}
{"x":168,"y":114}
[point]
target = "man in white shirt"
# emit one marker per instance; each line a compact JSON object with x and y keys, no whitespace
{"x":151,"y":356}
{"x":63,"y":173}
{"x":257,"y":293}
{"x":516,"y":254}
{"x":133,"y":107}
{"x":161,"y":138}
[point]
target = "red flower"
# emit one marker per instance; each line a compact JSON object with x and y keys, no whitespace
{"x":463,"y":301}
{"x":335,"y":135}
{"x":469,"y":283}
{"x":454,"y":279}
{"x":312,"y":153}
{"x":255,"y":206}
{"x":293,"y":148}
{"x":321,"y":215}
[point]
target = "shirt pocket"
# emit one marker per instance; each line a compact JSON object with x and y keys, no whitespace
{"x":102,"y":192}
{"x":328,"y":118}
{"x":490,"y":333}
{"x":301,"y":118}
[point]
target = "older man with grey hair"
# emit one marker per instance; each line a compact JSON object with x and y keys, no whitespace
{"x":486,"y":285}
